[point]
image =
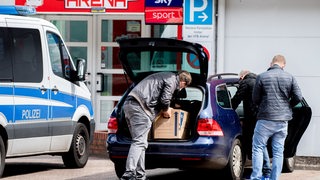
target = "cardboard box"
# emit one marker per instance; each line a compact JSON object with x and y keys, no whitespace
{"x":171,"y":128}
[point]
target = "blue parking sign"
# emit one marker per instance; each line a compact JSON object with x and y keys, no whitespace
{"x":198,"y":12}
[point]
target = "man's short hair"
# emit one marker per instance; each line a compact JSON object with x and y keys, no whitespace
{"x":185,"y":76}
{"x":279,"y":59}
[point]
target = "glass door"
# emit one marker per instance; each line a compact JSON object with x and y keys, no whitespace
{"x":109,"y":77}
{"x":93,"y":37}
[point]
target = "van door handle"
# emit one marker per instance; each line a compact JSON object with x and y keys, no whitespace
{"x":43,"y":89}
{"x":55,"y":89}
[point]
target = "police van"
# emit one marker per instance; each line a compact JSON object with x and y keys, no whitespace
{"x":45,"y":106}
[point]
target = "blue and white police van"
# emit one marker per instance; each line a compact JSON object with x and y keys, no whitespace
{"x":45,"y":106}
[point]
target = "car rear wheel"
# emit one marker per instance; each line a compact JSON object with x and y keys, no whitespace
{"x":78,"y":154}
{"x":234,"y":169}
{"x":289,"y":164}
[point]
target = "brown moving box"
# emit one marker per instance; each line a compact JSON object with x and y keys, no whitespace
{"x":171,"y":128}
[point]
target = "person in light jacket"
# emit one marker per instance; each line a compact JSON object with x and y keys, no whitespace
{"x":275,"y":93}
{"x":146,"y":100}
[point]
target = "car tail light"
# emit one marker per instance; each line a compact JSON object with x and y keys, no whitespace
{"x":112,"y":125}
{"x":209,"y":127}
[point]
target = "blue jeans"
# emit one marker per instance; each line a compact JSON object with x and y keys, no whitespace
{"x":266,"y":169}
{"x":265,"y":129}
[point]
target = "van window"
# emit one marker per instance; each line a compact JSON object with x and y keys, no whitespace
{"x":59,"y":57}
{"x":5,"y":60}
{"x":27,"y":55}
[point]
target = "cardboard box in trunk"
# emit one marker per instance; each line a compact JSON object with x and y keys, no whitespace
{"x":171,"y":128}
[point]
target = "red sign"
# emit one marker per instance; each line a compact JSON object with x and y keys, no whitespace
{"x":164,"y":15}
{"x":86,"y":6}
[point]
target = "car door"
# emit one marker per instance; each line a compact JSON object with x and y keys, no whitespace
{"x":297,"y":126}
{"x":6,"y":82}
{"x":30,"y":94}
{"x":62,"y":93}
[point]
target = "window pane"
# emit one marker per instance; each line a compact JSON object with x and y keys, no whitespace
{"x":114,"y":85}
{"x":55,"y":56}
{"x":109,"y":58}
{"x":106,"y":107}
{"x":111,"y":30}
{"x":146,"y":61}
{"x":5,"y":59}
{"x":72,"y":31}
{"x":27,"y":55}
{"x":223,"y":97}
{"x":164,"y":31}
{"x":59,"y":57}
{"x":78,"y":52}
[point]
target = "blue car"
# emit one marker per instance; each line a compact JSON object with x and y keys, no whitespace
{"x":213,"y":135}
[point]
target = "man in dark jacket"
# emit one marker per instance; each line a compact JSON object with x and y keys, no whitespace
{"x":244,"y":94}
{"x":275,"y":92}
{"x":147,"y":99}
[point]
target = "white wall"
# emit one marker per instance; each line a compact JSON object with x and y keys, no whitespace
{"x":256,"y":30}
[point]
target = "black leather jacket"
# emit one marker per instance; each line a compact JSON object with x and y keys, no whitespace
{"x":244,"y":94}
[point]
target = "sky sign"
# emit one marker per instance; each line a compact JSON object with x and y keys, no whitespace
{"x":163,"y":11}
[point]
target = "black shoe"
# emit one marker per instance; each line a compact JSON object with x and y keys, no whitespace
{"x":128,"y":178}
{"x":142,"y":178}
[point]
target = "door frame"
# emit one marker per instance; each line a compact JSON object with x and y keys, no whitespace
{"x":145,"y":32}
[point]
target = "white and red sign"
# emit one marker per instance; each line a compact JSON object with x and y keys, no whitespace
{"x":108,"y":4}
{"x":158,"y":15}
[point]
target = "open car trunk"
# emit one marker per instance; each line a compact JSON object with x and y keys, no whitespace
{"x":191,"y":103}
{"x":141,"y":57}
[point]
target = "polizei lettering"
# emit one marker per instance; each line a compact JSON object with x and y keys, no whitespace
{"x":31,"y":113}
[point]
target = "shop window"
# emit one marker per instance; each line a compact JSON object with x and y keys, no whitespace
{"x":111,"y":30}
{"x":72,"y":31}
{"x":164,"y":31}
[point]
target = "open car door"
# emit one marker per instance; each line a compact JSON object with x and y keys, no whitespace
{"x":296,"y":128}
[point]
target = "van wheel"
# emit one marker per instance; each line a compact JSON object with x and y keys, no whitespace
{"x":2,"y":156}
{"x":78,"y":155}
{"x":234,"y":169}
{"x":288,"y":164}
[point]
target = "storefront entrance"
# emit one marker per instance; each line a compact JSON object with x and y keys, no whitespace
{"x":93,"y":37}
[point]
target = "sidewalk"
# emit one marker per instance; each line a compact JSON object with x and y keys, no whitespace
{"x":306,"y":168}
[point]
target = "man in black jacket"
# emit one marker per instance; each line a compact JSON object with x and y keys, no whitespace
{"x":244,"y":94}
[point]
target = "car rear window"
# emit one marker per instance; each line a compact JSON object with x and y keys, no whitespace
{"x":146,"y":61}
